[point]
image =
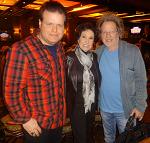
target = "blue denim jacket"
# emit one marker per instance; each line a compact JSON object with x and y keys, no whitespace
{"x":133,"y":78}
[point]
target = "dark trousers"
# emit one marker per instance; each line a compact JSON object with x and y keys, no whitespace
{"x":82,"y":127}
{"x":47,"y":136}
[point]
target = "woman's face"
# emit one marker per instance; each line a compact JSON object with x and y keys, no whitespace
{"x":86,"y":40}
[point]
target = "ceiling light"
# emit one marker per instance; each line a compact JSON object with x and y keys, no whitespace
{"x":122,"y":14}
{"x":139,"y":12}
{"x":33,"y":6}
{"x":39,"y":1}
{"x":139,"y":20}
{"x":136,"y":15}
{"x":92,"y":15}
{"x":3,"y":7}
{"x":83,"y":7}
{"x":65,"y":3}
{"x":8,"y":2}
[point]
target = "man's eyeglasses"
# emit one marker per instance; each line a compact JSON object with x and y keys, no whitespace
{"x":108,"y":32}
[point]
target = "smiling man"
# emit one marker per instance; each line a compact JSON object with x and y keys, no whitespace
{"x":34,"y":78}
{"x":123,"y":87}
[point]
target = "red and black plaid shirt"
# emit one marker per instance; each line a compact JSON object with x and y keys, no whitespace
{"x":34,"y":83}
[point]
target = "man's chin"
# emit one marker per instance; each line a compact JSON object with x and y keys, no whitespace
{"x":53,"y":42}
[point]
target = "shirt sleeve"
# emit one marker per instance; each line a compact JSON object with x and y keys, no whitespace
{"x":15,"y":84}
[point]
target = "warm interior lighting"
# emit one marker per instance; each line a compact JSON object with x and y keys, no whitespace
{"x":92,"y":15}
{"x":87,"y":16}
{"x":83,"y":7}
{"x":16,"y":30}
{"x":139,"y":12}
{"x":136,"y":30}
{"x":136,"y":15}
{"x":65,"y":3}
{"x":122,"y":14}
{"x":37,"y":4}
{"x":31,"y":30}
{"x":8,"y":2}
{"x":65,"y":31}
{"x":139,"y":20}
{"x":33,"y":6}
{"x":39,"y":1}
{"x":98,"y":15}
{"x":3,"y":7}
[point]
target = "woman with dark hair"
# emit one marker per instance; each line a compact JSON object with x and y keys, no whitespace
{"x":82,"y":84}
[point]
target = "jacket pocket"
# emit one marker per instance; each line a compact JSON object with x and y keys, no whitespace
{"x":130,"y":82}
{"x":130,"y":74}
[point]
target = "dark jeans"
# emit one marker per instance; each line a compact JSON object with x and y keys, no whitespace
{"x":47,"y":136}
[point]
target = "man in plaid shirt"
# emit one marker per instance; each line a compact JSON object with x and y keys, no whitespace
{"x":34,"y":78}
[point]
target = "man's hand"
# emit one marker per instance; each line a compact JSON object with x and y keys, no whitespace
{"x":32,"y":127}
{"x":138,"y":115}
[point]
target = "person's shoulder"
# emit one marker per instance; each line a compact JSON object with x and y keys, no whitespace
{"x":130,"y":49}
{"x":17,"y":45}
{"x":129,"y":45}
{"x":94,"y":54}
{"x":21,"y":42}
{"x":70,"y":54}
{"x":99,"y":49}
{"x":70,"y":57}
{"x":21,"y":45}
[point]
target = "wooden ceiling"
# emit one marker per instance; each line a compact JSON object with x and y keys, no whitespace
{"x":129,"y":10}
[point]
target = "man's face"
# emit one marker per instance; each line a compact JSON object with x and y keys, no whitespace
{"x":109,"y":34}
{"x":51,"y":27}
